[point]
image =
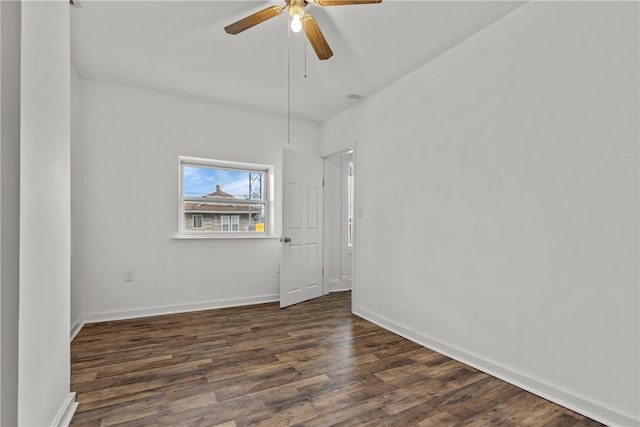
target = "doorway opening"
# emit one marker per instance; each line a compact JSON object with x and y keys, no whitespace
{"x":338,"y":230}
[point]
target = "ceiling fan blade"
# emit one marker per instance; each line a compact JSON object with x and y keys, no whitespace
{"x":252,"y":20}
{"x":317,"y":40}
{"x":324,"y":3}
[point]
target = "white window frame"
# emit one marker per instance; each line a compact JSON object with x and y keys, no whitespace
{"x":237,"y":223}
{"x":193,"y":223}
{"x":268,"y":201}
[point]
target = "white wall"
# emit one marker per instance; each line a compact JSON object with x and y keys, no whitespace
{"x":9,"y":207}
{"x":43,"y":371}
{"x":515,"y":157}
{"x":125,"y":202}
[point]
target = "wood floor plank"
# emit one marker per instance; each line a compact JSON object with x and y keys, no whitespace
{"x":192,"y":402}
{"x":312,"y":364}
{"x":441,"y":419}
{"x":128,"y":416}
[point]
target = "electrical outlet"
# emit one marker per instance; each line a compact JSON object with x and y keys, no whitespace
{"x":129,"y":275}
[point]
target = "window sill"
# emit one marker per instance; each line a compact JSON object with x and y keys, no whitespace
{"x":222,"y":236}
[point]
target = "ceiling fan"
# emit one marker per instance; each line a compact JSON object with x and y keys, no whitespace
{"x":299,"y":21}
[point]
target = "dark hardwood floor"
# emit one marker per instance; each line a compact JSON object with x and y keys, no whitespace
{"x":313,"y":364}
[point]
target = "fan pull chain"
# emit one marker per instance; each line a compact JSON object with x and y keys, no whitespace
{"x":288,"y":83}
{"x":305,"y":57}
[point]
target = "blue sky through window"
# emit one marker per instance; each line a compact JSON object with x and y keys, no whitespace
{"x":200,"y":181}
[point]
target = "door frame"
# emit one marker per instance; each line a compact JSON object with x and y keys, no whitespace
{"x":341,"y":153}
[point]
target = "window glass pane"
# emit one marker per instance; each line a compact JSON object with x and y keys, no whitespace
{"x":212,"y":182}
{"x":226,"y":217}
{"x":219,"y":196}
{"x":256,"y":219}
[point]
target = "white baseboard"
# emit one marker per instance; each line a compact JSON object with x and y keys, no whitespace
{"x":65,"y":414}
{"x":581,"y":405}
{"x":75,"y":330}
{"x":181,"y":308}
{"x":340,"y":290}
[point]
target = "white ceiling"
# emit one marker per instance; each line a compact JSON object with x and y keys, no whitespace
{"x":181,"y":48}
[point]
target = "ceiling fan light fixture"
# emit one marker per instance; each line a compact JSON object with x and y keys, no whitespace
{"x":296,"y":23}
{"x":296,"y":11}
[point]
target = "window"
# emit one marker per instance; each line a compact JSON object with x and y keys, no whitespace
{"x":225,"y":199}
{"x":230,"y":223}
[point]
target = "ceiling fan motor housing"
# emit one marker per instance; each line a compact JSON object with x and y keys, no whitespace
{"x":296,"y":7}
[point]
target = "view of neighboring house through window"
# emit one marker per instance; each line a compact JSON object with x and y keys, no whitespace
{"x":223,"y":197}
{"x":197,"y":222}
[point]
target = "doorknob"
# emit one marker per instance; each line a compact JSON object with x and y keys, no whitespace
{"x":286,"y":239}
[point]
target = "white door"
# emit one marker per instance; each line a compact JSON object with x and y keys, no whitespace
{"x":301,"y":273}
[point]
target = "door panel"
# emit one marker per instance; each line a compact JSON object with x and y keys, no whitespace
{"x":301,"y":273}
{"x":294,"y":194}
{"x":312,"y":208}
